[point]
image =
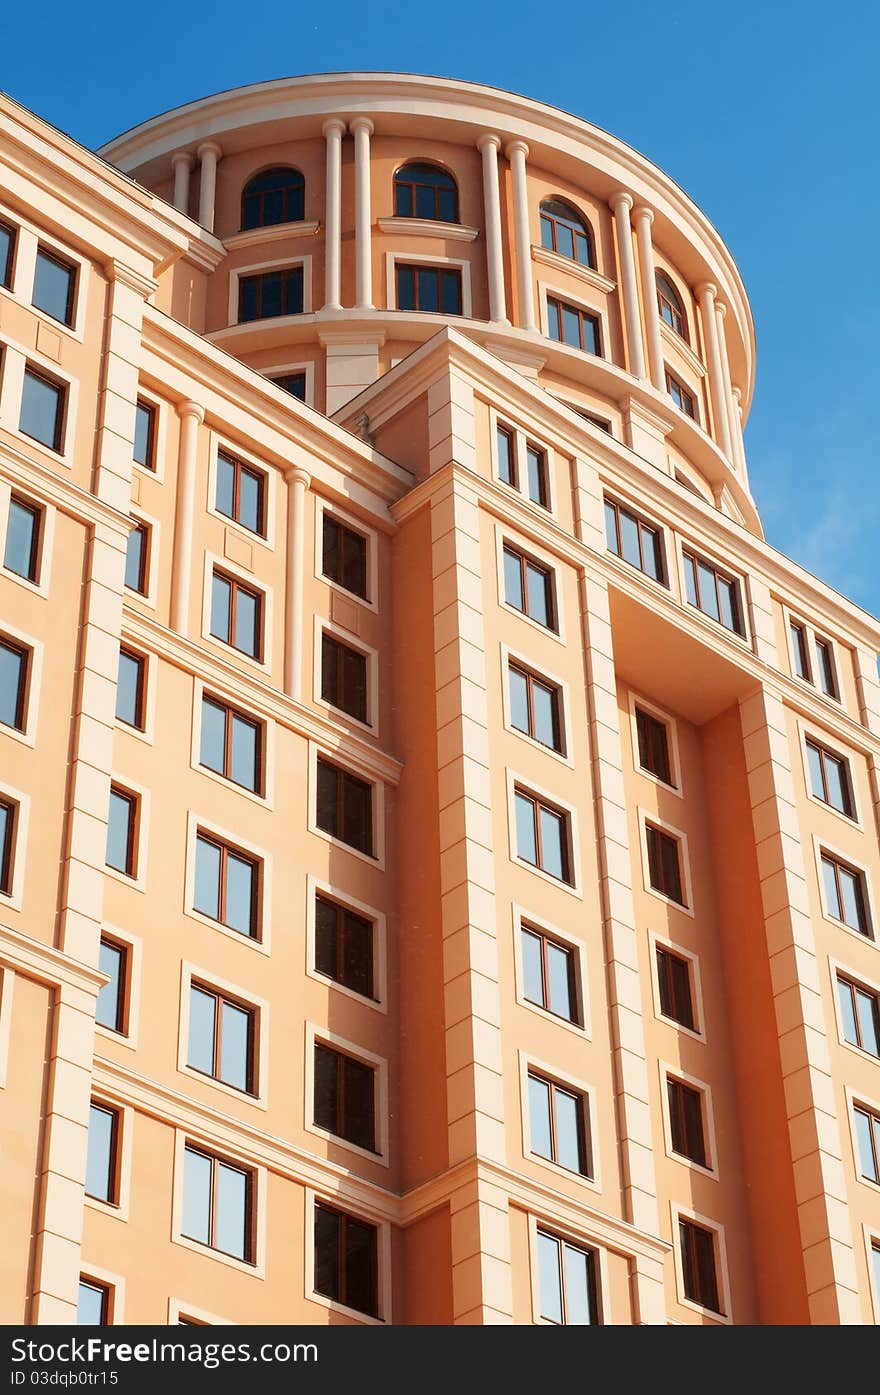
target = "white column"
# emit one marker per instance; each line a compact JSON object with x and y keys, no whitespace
{"x":516,"y":153}
{"x":730,"y":405}
{"x":191,"y":417}
{"x":643,"y":218}
{"x":209,"y":153}
{"x":621,"y":203}
{"x":362,"y":128}
{"x":488,"y":147}
{"x":706,"y":293}
{"x":333,"y":132}
{"x":739,"y":444}
{"x":298,"y":481}
{"x":181,"y":163}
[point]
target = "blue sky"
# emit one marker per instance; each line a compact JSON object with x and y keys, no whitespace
{"x":766,"y":113}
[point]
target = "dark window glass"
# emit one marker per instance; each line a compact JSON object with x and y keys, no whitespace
{"x":345,"y":556}
{"x":826,"y":669}
{"x":710,"y":591}
{"x":653,"y":737}
{"x":274,"y":196}
{"x":137,"y":555}
{"x":868,"y":1138}
{"x":686,"y":1121}
{"x":506,"y":446}
{"x":101,"y":1169}
{"x":698,"y":1265}
{"x":7,"y":254}
{"x":636,"y":541}
{"x":860,"y":1014}
{"x":664,"y":863}
{"x":237,"y":615}
{"x":122,"y":831}
{"x":345,"y":1097}
{"x":231,"y":744}
{"x":217,"y":1204}
{"x":558,"y":1124}
{"x":566,"y":1282}
{"x":227,"y":885}
{"x":425,"y":191}
{"x":145,"y":434}
{"x":22,"y":553}
{"x":13,"y":684}
{"x":800,"y":654}
{"x":563,"y":230}
{"x":54,"y":287}
{"x":684,"y":400}
{"x":431,"y":289}
{"x":343,"y":946}
{"x":93,"y":1304}
{"x":113,"y":960}
{"x":7,"y":845}
{"x":344,"y":677}
{"x":294,"y":383}
{"x":345,"y":807}
{"x":536,"y":469}
{"x":549,"y":974}
{"x":42,"y":409}
{"x":674,"y":981}
{"x":221,"y":1038}
{"x":535,"y":707}
{"x":130,"y":689}
{"x":528,"y":587}
{"x":568,"y":324}
{"x":845,"y":894}
{"x":271,"y":293}
{"x":346,"y":1260}
{"x":542,"y":836}
{"x":240,"y":493}
{"x":671,"y":307}
{"x":830,"y":779}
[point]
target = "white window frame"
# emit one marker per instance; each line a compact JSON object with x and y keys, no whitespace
{"x":232,"y":1155}
{"x":221,"y":444}
{"x":146,"y":733}
{"x":683,"y":544}
{"x":262,"y":941}
{"x":859,"y":1099}
{"x":835,"y":967}
{"x":314,"y":885}
{"x":125,"y":1125}
{"x":142,"y":834}
{"x":111,"y":1280}
{"x":519,"y":660}
{"x":580,"y":1240}
{"x":178,"y":1308}
{"x":356,"y":525}
{"x":279,"y":370}
{"x":148,"y":597}
{"x":645,"y":817}
{"x":587,"y":1093}
{"x":202,"y":688}
{"x":522,"y":918}
{"x":663,"y":941}
{"x":590,"y":300}
{"x":344,"y":762}
{"x":236,"y":273}
{"x":506,"y":536}
{"x":522,"y":440}
{"x":41,"y":586}
{"x":352,"y":641}
{"x":811,"y":635}
{"x":321,"y":1036}
{"x":160,"y":439}
{"x":515,"y":778}
{"x":27,"y":238}
{"x":722,"y":1274}
{"x":134,"y":957}
{"x":635,"y":700}
{"x":249,"y":1001}
{"x":213,"y":561}
{"x":820,"y":844}
{"x":311,"y":1197}
{"x":16,"y":358}
{"x":14,"y":898}
{"x":421,"y":259}
{"x":668,"y":1071}
{"x":809,"y":732}
{"x":28,"y":734}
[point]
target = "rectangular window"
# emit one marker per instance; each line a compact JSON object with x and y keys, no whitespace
{"x":528,"y":587}
{"x":715,"y":594}
{"x":845,"y":895}
{"x":231,"y":744}
{"x":8,"y":812}
{"x":344,"y":557}
{"x":800,"y":651}
{"x":22,"y":552}
{"x":218,"y":1204}
{"x":830,"y":778}
{"x":270,"y":293}
{"x":54,"y":286}
{"x":535,"y":707}
{"x":536,"y":470}
{"x":344,"y":677}
{"x":343,"y":946}
{"x":122,"y":831}
{"x":653,"y":739}
{"x":7,"y":254}
{"x":684,"y":400}
{"x":14,"y":665}
{"x":113,"y":995}
{"x":346,"y":1260}
{"x":130,"y":686}
{"x":429,"y":289}
{"x":698,"y":1265}
{"x":686,"y":1121}
{"x":42,"y":409}
{"x":93,"y":1303}
{"x":102,"y":1179}
{"x":145,"y":434}
{"x":237,"y":615}
{"x":137,"y":558}
{"x":674,"y":983}
{"x":860,"y":1015}
{"x":221,"y":1038}
{"x":568,"y":324}
{"x":635,"y":541}
{"x":558,"y":1125}
{"x":345,"y":1093}
{"x":294,"y":383}
{"x":566,"y":1282}
{"x":543,"y":836}
{"x":549,"y":974}
{"x":826,"y":669}
{"x":344,"y":806}
{"x":664,"y":863}
{"x":506,"y":447}
{"x":868,"y":1138}
{"x":227,"y":885}
{"x":241,"y":493}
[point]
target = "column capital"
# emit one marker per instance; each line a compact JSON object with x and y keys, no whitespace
{"x":720,"y":308}
{"x":643,"y":213}
{"x":334,"y":127}
{"x":182,"y":157}
{"x":737,"y":392}
{"x":620,"y":199}
{"x":706,"y":290}
{"x":191,"y":409}
{"x":489,"y":140}
{"x":359,"y":124}
{"x":209,"y":147}
{"x":297,"y":475}
{"x":516,"y":147}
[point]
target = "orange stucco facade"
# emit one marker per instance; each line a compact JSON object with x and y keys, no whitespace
{"x":723,"y":1167}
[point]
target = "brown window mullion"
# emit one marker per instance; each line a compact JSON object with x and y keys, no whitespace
{"x":217,"y":1048}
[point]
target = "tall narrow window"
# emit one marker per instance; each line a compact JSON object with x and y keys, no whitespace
{"x":826,"y":669}
{"x":137,"y":558}
{"x":345,"y":1091}
{"x":569,"y":324}
{"x":344,"y":677}
{"x":54,"y":286}
{"x":543,"y":836}
{"x":130,"y":686}
{"x":698,"y":1265}
{"x":506,"y":448}
{"x":683,"y":399}
{"x":237,"y":615}
{"x":558,"y":1124}
{"x":535,"y":707}
{"x":93,"y":1303}
{"x":241,"y":493}
{"x":686,"y":1121}
{"x":860,"y":1015}
{"x":422,"y":190}
{"x":343,"y":946}
{"x":22,"y":552}
{"x":122,"y":831}
{"x":346,"y":1259}
{"x":7,"y":254}
{"x":830,"y":778}
{"x":845,"y":896}
{"x":634,"y":540}
{"x":102,"y":1171}
{"x":549,"y":978}
{"x":429,"y":289}
{"x":8,"y":812}
{"x":221,"y":1038}
{"x":800,"y":652}
{"x":712,"y":592}
{"x":270,"y":294}
{"x":344,"y":806}
{"x":670,"y":305}
{"x":344,"y":556}
{"x":653,"y":739}
{"x":868,"y":1138}
{"x":218,"y":1204}
{"x":14,"y":665}
{"x":565,"y":231}
{"x":674,"y":983}
{"x":112,"y":996}
{"x":42,"y":408}
{"x":231,"y":744}
{"x":664,"y":863}
{"x":227,"y":885}
{"x":536,"y":470}
{"x":528,"y":587}
{"x":145,"y":434}
{"x":271,"y":197}
{"x":566,"y":1282}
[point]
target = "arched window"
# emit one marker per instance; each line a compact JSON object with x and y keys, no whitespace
{"x":274,"y":196}
{"x":563,"y":230}
{"x":671,"y":307}
{"x":425,"y":191}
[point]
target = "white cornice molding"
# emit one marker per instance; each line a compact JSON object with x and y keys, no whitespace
{"x":428,"y":227}
{"x":676,"y":342}
{"x":278,"y":232}
{"x":47,"y":964}
{"x":573,"y":268}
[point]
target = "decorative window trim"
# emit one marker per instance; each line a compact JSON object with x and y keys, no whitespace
{"x":213,"y":561}
{"x":820,"y":844}
{"x":837,"y":967}
{"x":522,"y":918}
{"x":45,"y":548}
{"x":684,"y":295}
{"x":112,"y":1281}
{"x":522,"y":440}
{"x":315,"y":1034}
{"x":260,"y":1008}
{"x":28,"y":238}
{"x":236,"y":273}
{"x":272,"y":232}
{"x":579,"y":1239}
{"x":646,"y":816}
{"x":679,"y":1212}
{"x":383,"y":1259}
{"x":693,"y":391}
{"x":684,"y":544}
{"x":163,"y":412}
{"x":16,"y":359}
{"x":124,"y":1131}
{"x":807,"y":731}
{"x":134,"y":957}
{"x":667,"y":1071}
{"x":635,"y":700}
{"x":871,"y":1236}
{"x":517,"y":778}
{"x":812,"y":634}
{"x":680,"y":346}
{"x":655,"y":942}
{"x":33,"y":684}
{"x":587,"y":299}
{"x":378,"y":805}
{"x":307,"y":366}
{"x":14,"y":899}
{"x":203,"y":688}
{"x":505,"y":536}
{"x":427,"y":227}
{"x":259,"y":1202}
{"x":179,"y":1308}
{"x":418,"y":259}
{"x":220,"y":444}
{"x":567,"y":266}
{"x":262,"y":940}
{"x":351,"y":521}
{"x":621,"y":503}
{"x":352,"y":641}
{"x":508,"y":656}
{"x":858,"y":1099}
{"x":314,"y":885}
{"x":147,"y":732}
{"x":141,"y":834}
{"x":154,"y":527}
{"x":7,"y":992}
{"x":575,"y":1086}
